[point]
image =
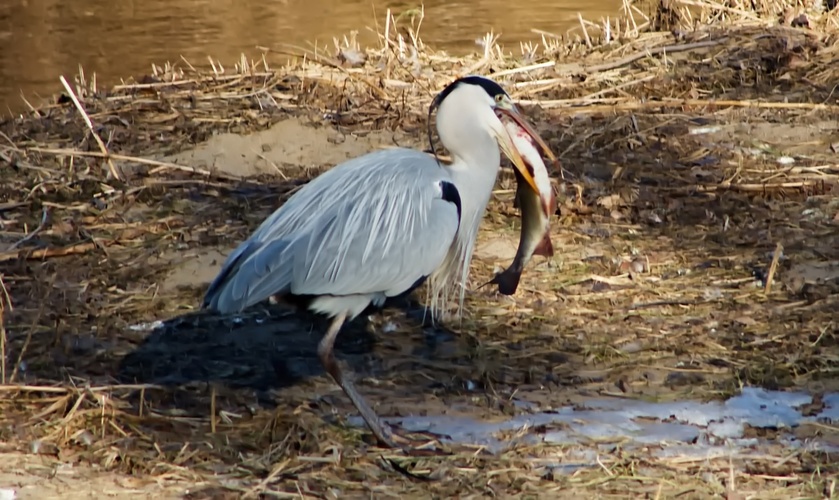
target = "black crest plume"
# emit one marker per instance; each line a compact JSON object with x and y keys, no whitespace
{"x":489,"y":86}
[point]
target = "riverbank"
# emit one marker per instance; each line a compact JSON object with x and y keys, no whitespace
{"x":701,"y":256}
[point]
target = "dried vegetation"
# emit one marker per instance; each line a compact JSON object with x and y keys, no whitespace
{"x":698,"y":250}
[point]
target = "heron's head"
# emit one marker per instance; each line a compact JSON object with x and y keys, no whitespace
{"x":475,"y":101}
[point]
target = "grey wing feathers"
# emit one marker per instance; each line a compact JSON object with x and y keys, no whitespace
{"x":373,"y":225}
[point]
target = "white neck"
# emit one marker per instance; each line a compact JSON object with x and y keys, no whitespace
{"x":474,"y":173}
{"x":465,"y":120}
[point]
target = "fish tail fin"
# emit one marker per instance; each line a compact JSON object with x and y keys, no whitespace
{"x":507,"y":281}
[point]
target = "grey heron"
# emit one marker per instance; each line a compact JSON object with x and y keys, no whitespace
{"x":379,"y":225}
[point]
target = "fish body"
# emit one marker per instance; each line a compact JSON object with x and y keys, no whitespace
{"x":536,"y":210}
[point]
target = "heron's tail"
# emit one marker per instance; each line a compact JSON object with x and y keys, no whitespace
{"x":252,"y":273}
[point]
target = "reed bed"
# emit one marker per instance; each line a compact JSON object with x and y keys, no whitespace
{"x":697,"y":249}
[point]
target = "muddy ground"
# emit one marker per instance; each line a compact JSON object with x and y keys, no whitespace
{"x":657,"y":292}
{"x":689,"y":321}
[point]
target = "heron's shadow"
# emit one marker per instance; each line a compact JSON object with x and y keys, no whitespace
{"x":264,"y":348}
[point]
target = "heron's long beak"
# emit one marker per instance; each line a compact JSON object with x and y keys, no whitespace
{"x":505,"y":142}
{"x":509,"y":148}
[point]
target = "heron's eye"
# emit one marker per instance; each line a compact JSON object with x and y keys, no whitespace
{"x":499,"y":97}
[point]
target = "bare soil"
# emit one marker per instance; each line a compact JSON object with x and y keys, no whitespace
{"x":658,"y":290}
{"x":32,"y":477}
{"x":582,"y":323}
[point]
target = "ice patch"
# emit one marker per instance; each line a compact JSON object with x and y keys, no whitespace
{"x":146,"y":327}
{"x":706,"y":429}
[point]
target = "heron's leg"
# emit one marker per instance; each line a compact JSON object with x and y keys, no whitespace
{"x":379,"y":428}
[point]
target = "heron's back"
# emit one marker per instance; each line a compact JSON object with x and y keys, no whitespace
{"x":370,"y":227}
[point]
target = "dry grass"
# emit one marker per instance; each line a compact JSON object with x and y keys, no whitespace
{"x":660,"y":290}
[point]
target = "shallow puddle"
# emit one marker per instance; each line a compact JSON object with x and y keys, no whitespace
{"x":683,"y":428}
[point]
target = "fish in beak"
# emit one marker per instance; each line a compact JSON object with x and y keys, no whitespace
{"x":535,"y":197}
{"x":507,"y":111}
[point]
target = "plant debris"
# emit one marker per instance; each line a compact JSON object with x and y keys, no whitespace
{"x":699,"y":144}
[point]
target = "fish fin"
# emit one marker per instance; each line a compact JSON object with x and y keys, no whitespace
{"x":545,"y":248}
{"x":507,"y":281}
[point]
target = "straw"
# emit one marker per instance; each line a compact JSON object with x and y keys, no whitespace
{"x":693,"y":136}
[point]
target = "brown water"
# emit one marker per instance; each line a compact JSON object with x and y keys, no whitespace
{"x":43,"y":39}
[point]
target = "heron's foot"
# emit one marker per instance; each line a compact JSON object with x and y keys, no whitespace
{"x":386,"y":436}
{"x":411,"y":447}
{"x":384,"y":433}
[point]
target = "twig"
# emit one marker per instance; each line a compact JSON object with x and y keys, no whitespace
{"x":260,"y":488}
{"x":190,"y":81}
{"x":29,"y":333}
{"x":213,"y":409}
{"x":597,"y":94}
{"x":4,"y":302}
{"x":12,"y":145}
{"x":662,"y":303}
{"x":641,"y":54}
{"x":45,"y":253}
{"x":33,"y":233}
{"x":579,"y":107}
{"x":713,"y":6}
{"x":86,"y":118}
{"x":747,"y":188}
{"x":524,"y":69}
{"x":585,"y":31}
{"x":58,"y":389}
{"x":779,"y":249}
{"x":143,"y":161}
